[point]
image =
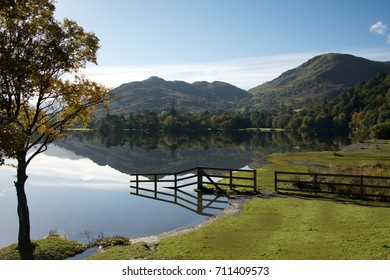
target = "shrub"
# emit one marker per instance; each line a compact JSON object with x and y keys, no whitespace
{"x":381,"y":130}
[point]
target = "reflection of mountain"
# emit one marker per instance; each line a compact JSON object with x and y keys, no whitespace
{"x":145,"y":153}
{"x":55,"y":151}
{"x":165,"y":161}
{"x":132,"y":160}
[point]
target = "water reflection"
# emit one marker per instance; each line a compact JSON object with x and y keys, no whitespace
{"x":199,"y":203}
{"x":142,"y":152}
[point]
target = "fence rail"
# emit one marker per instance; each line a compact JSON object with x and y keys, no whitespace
{"x":168,"y":187}
{"x":204,"y":175}
{"x":362,"y":186}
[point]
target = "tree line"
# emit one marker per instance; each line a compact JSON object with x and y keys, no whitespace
{"x":363,"y":109}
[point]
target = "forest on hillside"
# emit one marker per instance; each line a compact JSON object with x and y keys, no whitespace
{"x":363,"y":109}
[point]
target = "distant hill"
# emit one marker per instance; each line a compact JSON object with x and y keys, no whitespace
{"x":156,"y":94}
{"x":322,"y":76}
{"x":325,"y":75}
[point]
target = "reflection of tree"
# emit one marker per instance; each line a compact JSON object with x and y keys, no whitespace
{"x":269,"y":141}
{"x":142,"y":152}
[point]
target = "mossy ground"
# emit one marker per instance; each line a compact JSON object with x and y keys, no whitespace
{"x":52,"y":247}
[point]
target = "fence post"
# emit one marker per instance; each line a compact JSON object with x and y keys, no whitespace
{"x":175,"y":188}
{"x":276,"y":181}
{"x":315,"y":183}
{"x":361,"y":186}
{"x":200,"y":179}
{"x":137,"y":183}
{"x":199,"y":203}
{"x":155,"y":185}
{"x":231,"y":179}
{"x":255,"y":180}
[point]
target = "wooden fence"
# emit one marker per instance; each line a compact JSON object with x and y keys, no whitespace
{"x":201,"y":176}
{"x":169,"y":187}
{"x":360,"y":186}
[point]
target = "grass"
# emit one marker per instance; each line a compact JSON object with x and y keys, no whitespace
{"x":122,"y":252}
{"x":57,"y":247}
{"x":52,"y":247}
{"x":288,"y":228}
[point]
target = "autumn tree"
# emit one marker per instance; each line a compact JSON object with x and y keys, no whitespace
{"x":37,"y":103}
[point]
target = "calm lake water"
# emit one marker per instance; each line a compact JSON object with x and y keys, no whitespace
{"x":80,"y":187}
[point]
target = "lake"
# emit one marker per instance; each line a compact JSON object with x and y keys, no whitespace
{"x":80,"y":187}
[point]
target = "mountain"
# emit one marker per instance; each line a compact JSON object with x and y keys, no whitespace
{"x":322,"y":76}
{"x":325,"y":75}
{"x":156,"y":94}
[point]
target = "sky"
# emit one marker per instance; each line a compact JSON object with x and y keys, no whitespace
{"x":242,"y":42}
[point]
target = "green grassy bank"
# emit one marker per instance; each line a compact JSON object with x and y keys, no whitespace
{"x":289,"y":228}
{"x":52,"y":247}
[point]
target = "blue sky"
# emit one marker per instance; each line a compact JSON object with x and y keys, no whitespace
{"x":243,"y":42}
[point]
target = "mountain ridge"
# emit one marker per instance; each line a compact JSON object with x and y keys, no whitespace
{"x":322,"y":76}
{"x":157,"y":94}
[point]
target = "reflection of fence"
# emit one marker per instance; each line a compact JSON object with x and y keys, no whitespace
{"x":353,"y":185}
{"x":198,"y":203}
{"x":168,"y":186}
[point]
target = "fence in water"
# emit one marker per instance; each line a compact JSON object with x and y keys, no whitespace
{"x":171,"y":187}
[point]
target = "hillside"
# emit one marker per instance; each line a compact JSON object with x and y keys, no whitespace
{"x":156,"y":94}
{"x":325,"y":75}
{"x":322,"y":76}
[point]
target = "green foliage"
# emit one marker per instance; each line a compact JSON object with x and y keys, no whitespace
{"x":381,"y":130}
{"x":358,"y":109}
{"x":172,"y":122}
{"x":36,"y":50}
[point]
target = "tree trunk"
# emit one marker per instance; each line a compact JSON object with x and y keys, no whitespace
{"x":24,"y":242}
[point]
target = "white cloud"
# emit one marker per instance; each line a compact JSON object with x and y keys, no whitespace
{"x":379,"y":28}
{"x":242,"y":72}
{"x":48,"y":170}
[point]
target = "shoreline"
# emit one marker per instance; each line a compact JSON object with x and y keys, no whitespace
{"x":236,"y":204}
